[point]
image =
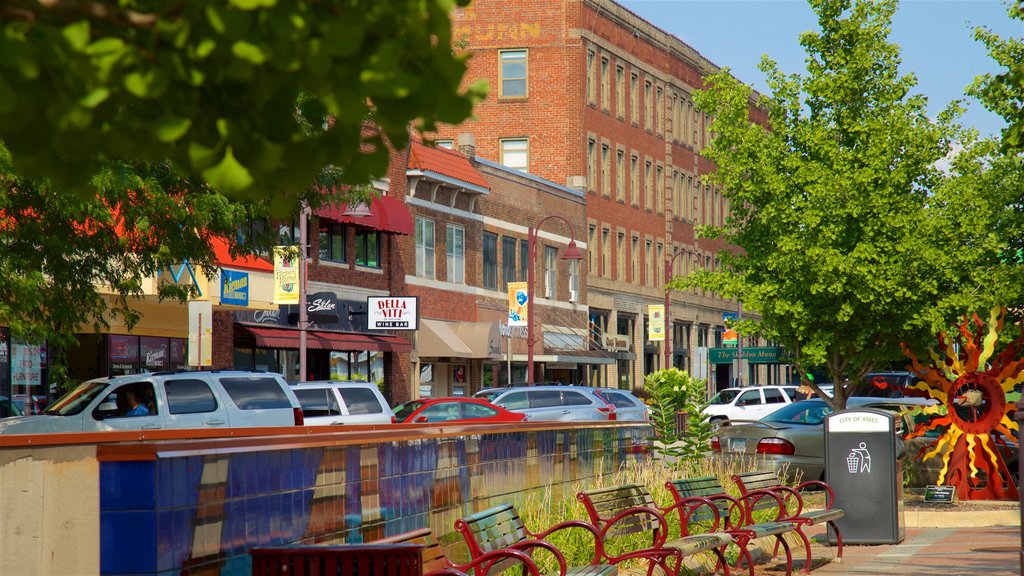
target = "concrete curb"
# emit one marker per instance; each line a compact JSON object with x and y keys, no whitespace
{"x":960,"y":518}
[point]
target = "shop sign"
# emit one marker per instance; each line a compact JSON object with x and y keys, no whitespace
{"x":392,"y":313}
{"x":322,"y":307}
{"x":507,"y":331}
{"x":754,"y":355}
{"x":234,"y":288}
{"x":616,"y":342}
{"x":25,"y":368}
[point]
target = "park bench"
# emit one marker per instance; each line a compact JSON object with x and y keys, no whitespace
{"x":628,"y":510}
{"x":501,"y":527}
{"x":793,"y":500}
{"x":436,"y":562}
{"x":737,"y":515}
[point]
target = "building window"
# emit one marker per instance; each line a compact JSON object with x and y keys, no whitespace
{"x":456,"y":265}
{"x":620,"y":91}
{"x":634,"y":259}
{"x":634,"y":188}
{"x":591,"y":245}
{"x":490,"y":279}
{"x":648,"y":263}
{"x":550,"y":278}
{"x":368,"y":248}
{"x":332,"y":241}
{"x":648,"y":106}
{"x":659,"y":190}
{"x":515,"y":153}
{"x":620,"y":175}
{"x":634,"y":98}
{"x":605,"y":88}
{"x":648,"y":185}
{"x":591,"y":89}
{"x":659,"y":257}
{"x":574,"y":280}
{"x":606,"y":180}
{"x":620,"y":257}
{"x":424,"y":247}
{"x":508,"y":261}
{"x":659,"y":127}
{"x":591,"y":165}
{"x":513,"y":73}
{"x":446,"y":144}
{"x":606,"y":252}
{"x":524,"y":260}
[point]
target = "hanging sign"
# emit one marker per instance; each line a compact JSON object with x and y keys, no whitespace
{"x":286,"y":275}
{"x":656,"y":322}
{"x":517,"y":301}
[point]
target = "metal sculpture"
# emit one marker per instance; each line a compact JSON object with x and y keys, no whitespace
{"x":973,"y":418}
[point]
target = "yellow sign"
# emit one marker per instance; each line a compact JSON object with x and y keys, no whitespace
{"x":517,"y":310}
{"x":655,"y":322}
{"x":286,"y":275}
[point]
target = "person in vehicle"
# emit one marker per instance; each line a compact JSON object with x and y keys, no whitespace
{"x":135,"y":405}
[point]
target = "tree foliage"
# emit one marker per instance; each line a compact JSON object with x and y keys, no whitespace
{"x":1004,"y":93}
{"x":674,"y":392}
{"x":224,"y":91}
{"x":839,"y":251}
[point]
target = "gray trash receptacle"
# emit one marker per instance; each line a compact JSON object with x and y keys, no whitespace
{"x":862,"y":465}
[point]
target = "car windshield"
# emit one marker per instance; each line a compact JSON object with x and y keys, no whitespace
{"x":403,"y":411}
{"x":75,"y":401}
{"x":488,"y":394}
{"x":724,"y":397}
{"x":808,"y":412}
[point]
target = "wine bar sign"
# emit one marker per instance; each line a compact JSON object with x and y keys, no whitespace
{"x":393,"y":313}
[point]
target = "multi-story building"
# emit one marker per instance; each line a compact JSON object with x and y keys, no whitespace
{"x":587,"y":93}
{"x":472,"y":228}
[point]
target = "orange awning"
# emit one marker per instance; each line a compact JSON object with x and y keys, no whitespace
{"x":288,"y":338}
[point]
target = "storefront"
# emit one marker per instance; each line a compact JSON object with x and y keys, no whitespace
{"x":452,"y":356}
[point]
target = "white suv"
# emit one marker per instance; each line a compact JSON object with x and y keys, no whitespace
{"x":167,"y":400}
{"x":750,"y":403}
{"x":334,"y":402}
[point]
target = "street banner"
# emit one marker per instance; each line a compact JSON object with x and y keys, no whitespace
{"x":286,"y":275}
{"x":655,"y":322}
{"x":517,"y":309}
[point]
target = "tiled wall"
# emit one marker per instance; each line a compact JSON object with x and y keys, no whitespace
{"x":199,"y":512}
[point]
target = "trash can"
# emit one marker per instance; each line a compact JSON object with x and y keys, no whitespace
{"x":863,"y":467}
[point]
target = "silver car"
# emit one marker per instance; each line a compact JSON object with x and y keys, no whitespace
{"x":342,"y":402}
{"x":792,"y":439}
{"x":571,"y":403}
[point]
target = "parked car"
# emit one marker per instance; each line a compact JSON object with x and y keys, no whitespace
{"x":793,"y":437}
{"x":750,"y":403}
{"x":455,"y":410}
{"x":562,"y":403}
{"x":887,"y":385}
{"x":627,"y":406}
{"x":172,"y":400}
{"x":336,"y":402}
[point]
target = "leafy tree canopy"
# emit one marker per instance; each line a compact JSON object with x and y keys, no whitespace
{"x":225,"y":91}
{"x":1004,"y":93}
{"x":840,"y":250}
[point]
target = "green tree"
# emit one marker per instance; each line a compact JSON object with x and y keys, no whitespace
{"x":224,"y":91}
{"x":674,"y":392}
{"x":1004,"y":93}
{"x":829,"y":207}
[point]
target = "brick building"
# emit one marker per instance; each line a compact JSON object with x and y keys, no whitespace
{"x":472,"y":219}
{"x":586,"y":93}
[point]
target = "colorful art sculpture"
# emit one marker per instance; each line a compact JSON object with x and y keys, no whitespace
{"x":974,"y":419}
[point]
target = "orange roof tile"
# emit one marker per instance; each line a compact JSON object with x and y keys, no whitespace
{"x":446,"y":162}
{"x":224,"y":257}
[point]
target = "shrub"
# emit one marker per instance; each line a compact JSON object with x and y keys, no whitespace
{"x":673,"y":393}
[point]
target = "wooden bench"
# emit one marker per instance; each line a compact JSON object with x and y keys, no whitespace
{"x":737,"y":515}
{"x":501,"y":527}
{"x":792,"y":498}
{"x":627,"y":510}
{"x":436,"y":563}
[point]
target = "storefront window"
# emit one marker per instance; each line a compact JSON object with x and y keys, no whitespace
{"x":426,"y":380}
{"x":155,"y":354}
{"x":124,"y":354}
{"x":625,"y":374}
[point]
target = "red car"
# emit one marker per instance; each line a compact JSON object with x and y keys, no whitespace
{"x":458,"y":410}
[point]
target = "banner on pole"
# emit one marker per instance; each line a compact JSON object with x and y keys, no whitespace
{"x":517,"y":309}
{"x":656,"y":322}
{"x":286,"y":275}
{"x":200,"y":334}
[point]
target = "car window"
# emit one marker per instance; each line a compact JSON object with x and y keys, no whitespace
{"x":791,"y":392}
{"x":189,"y":396}
{"x":773,"y":396}
{"x":132,"y":400}
{"x":545,"y":398}
{"x":573,"y":398}
{"x":318,"y":402}
{"x":514,"y":401}
{"x":471,"y":410}
{"x":807,"y":412}
{"x":749,"y":398}
{"x":256,"y":393}
{"x":618,"y":399}
{"x":360,"y":401}
{"x":404,"y":410}
{"x":440,"y":412}
{"x":724,"y":397}
{"x":78,"y":399}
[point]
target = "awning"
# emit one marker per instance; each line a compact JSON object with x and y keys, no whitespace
{"x":387,"y":214}
{"x":288,"y":338}
{"x":437,"y":339}
{"x":483,"y":338}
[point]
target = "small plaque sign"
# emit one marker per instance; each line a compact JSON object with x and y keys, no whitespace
{"x":943,"y":494}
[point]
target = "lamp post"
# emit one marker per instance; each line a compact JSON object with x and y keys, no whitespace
{"x":669,"y":263}
{"x":571,"y":253}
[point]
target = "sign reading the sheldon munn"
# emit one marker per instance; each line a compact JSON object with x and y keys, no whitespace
{"x":944,"y":494}
{"x":392,"y":313}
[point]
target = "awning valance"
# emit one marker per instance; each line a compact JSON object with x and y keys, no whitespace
{"x":440,"y":339}
{"x":288,"y":338}
{"x":387,"y":214}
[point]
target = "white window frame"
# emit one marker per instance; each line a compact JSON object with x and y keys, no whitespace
{"x":456,"y":262}
{"x":509,"y":56}
{"x":515,"y":153}
{"x":425,"y":250}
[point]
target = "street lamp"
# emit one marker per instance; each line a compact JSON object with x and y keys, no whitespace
{"x":359,"y":210}
{"x":669,"y":263}
{"x":571,"y":253}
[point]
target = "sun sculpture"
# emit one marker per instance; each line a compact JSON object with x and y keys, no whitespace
{"x":973,"y":417}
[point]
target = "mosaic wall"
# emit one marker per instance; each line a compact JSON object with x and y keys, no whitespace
{"x":201,"y":513}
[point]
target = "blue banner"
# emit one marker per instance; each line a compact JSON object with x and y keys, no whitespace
{"x":234,"y":288}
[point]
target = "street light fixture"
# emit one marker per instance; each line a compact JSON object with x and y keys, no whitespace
{"x":669,"y":263}
{"x":571,"y":252}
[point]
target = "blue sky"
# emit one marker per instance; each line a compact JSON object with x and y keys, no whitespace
{"x":935,"y":37}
